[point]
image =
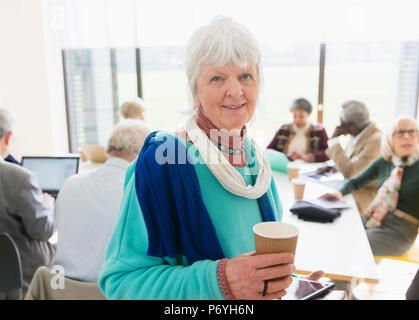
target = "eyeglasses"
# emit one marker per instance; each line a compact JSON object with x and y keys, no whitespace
{"x":411,"y":133}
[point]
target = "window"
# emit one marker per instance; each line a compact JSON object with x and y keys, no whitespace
{"x":164,"y":86}
{"x":97,"y":81}
{"x":290,"y":72}
{"x":367,"y":72}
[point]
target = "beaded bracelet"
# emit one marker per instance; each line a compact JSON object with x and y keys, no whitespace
{"x":222,"y":280}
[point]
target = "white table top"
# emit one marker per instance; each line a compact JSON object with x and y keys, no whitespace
{"x":341,"y":248}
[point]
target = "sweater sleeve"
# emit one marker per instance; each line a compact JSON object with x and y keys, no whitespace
{"x":320,"y":155}
{"x":367,"y":175}
{"x":277,"y":201}
{"x":129,"y":273}
{"x":273,"y":143}
{"x":350,"y":167}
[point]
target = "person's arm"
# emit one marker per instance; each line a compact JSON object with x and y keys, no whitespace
{"x":348,"y":167}
{"x":361,"y":179}
{"x":130,"y":273}
{"x":272,"y":144}
{"x":320,"y":155}
{"x":277,"y":201}
{"x":37,"y":216}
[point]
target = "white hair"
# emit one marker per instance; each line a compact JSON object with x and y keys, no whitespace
{"x":128,"y":137}
{"x":132,"y":108}
{"x":7,"y":122}
{"x":356,"y":113}
{"x":219,"y":43}
{"x":387,"y":150}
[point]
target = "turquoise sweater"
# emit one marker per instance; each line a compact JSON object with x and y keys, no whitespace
{"x":129,"y":273}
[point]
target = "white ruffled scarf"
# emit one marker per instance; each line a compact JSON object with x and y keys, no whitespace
{"x":221,"y":168}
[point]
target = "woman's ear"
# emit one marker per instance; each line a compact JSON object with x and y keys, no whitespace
{"x":8,"y":137}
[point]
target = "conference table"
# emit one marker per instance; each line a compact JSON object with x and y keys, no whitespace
{"x":340,"y":248}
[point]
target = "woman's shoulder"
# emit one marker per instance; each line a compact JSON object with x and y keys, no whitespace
{"x":318,"y":126}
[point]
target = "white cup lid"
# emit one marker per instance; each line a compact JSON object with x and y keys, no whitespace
{"x":298,"y":181}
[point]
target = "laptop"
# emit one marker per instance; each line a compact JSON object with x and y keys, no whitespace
{"x":51,"y":171}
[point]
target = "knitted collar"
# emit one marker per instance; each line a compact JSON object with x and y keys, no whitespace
{"x":405,"y":161}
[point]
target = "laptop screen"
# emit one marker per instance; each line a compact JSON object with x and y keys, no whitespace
{"x":51,"y":171}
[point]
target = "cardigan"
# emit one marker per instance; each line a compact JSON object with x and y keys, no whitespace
{"x":316,"y":140}
{"x":130,"y":272}
{"x":381,"y":169}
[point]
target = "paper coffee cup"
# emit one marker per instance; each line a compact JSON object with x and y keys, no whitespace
{"x":292,"y":170}
{"x":275,"y":237}
{"x":299,"y":186}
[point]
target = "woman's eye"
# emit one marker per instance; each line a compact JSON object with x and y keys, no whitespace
{"x":246,"y":76}
{"x":215,"y":78}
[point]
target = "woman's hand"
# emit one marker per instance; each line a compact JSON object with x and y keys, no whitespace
{"x":316,"y":275}
{"x":298,"y":155}
{"x":332,"y":196}
{"x":246,"y":275}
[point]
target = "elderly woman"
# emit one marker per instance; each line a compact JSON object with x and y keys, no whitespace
{"x":392,"y":219}
{"x":191,"y":199}
{"x":133,"y":109}
{"x":301,"y":139}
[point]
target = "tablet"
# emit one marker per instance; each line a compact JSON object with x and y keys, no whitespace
{"x":303,"y":289}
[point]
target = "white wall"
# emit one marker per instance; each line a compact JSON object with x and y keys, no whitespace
{"x":27,"y":67}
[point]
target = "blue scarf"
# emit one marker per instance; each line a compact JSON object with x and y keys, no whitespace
{"x":177,"y":220}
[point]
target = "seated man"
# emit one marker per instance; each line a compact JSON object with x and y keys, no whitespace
{"x":362,"y":149}
{"x":25,"y":213}
{"x":88,"y":204}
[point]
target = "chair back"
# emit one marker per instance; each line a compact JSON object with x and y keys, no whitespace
{"x":10,"y":264}
{"x":94,"y":153}
{"x":46,"y":285}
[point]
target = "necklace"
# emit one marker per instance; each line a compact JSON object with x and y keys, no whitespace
{"x":229,"y":150}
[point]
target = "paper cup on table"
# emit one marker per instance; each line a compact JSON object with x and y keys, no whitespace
{"x":292,"y":170}
{"x":275,"y":237}
{"x":299,"y":186}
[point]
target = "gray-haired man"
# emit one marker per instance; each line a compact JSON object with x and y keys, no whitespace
{"x":362,"y":149}
{"x":26,"y":214}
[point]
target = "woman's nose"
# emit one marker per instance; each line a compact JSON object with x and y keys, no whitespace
{"x":234,"y":88}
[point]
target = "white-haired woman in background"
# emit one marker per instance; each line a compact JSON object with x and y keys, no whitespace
{"x":133,"y":109}
{"x":192,"y":198}
{"x":392,"y":219}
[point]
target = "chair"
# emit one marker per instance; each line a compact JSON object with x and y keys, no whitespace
{"x":45,"y":286}
{"x":10,"y":266}
{"x":412,"y":255}
{"x":94,"y":153}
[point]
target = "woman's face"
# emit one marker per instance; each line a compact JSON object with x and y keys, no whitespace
{"x":227,"y":96}
{"x":405,"y":139}
{"x":300,"y":117}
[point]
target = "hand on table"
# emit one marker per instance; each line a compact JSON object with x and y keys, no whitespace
{"x":332,"y":196}
{"x":298,"y":155}
{"x":326,"y":169}
{"x":316,"y":275}
{"x":246,"y":273}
